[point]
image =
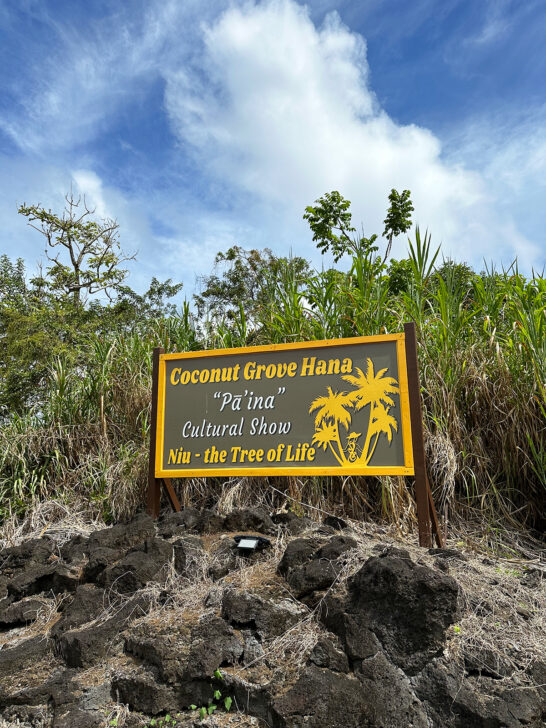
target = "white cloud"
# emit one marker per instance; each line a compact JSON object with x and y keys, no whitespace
{"x":275,"y":112}
{"x":293,"y":116}
{"x":73,"y":91}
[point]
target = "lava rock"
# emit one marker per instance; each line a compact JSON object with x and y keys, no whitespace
{"x":140,"y":691}
{"x":389,"y":694}
{"x":326,"y":654}
{"x":253,"y":650}
{"x":335,"y":547}
{"x":188,"y":552}
{"x":86,"y":646}
{"x":317,"y":575}
{"x":455,"y":702}
{"x":34,"y":551}
{"x":324,"y":698}
{"x":166,"y":647}
{"x":298,"y":552}
{"x":74,"y":717}
{"x":100,"y":558}
{"x":359,"y":642}
{"x":484,"y":661}
{"x":37,"y":578}
{"x":224,"y":559}
{"x":185,"y":521}
{"x":157,"y":549}
{"x":21,"y":613}
{"x":123,"y":535}
{"x":88,"y":602}
{"x":14,"y":659}
{"x":292,"y":523}
{"x":148,"y":563}
{"x":407,"y":606}
{"x":267,"y":619}
{"x":210,"y":522}
{"x":213,"y":644}
{"x":74,"y":550}
{"x":250,"y":519}
{"x":338,"y":524}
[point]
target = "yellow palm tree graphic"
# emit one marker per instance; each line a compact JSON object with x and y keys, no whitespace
{"x":375,"y":390}
{"x":381,"y":422}
{"x":331,"y":413}
{"x":370,"y":389}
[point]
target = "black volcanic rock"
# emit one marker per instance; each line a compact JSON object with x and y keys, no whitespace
{"x":127,"y":615}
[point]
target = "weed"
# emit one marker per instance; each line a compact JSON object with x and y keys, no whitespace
{"x":212,"y":703}
{"x":167,"y":721}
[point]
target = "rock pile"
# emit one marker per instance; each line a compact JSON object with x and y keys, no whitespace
{"x":146,"y":619}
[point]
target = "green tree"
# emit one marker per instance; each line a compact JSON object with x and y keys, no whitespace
{"x":246,"y":282}
{"x":91,"y":248}
{"x":398,"y":218}
{"x":35,"y":327}
{"x":331,"y":224}
{"x":399,"y":275}
{"x":13,"y":285}
{"x":130,"y":307}
{"x":38,"y":328}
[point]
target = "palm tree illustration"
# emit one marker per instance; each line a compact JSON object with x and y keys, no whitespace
{"x":381,"y":422}
{"x":331,"y":413}
{"x":374,"y":390}
{"x":332,"y":410}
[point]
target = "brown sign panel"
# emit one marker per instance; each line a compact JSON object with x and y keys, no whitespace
{"x":315,"y":408}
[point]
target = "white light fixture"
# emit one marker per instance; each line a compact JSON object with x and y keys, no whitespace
{"x":248,"y":543}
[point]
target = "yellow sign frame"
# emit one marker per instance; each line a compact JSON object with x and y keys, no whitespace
{"x":344,"y":470}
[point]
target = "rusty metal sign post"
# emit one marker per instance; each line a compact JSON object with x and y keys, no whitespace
{"x":336,"y":407}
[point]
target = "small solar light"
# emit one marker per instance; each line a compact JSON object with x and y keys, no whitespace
{"x":246,"y":545}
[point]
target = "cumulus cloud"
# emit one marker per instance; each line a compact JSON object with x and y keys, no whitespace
{"x":269,"y":111}
{"x":285,"y":110}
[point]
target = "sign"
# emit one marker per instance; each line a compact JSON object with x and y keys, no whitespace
{"x":336,"y":407}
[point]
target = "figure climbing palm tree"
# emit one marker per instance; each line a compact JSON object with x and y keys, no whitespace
{"x":374,"y":390}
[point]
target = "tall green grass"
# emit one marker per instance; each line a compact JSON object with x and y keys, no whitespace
{"x":482,"y":352}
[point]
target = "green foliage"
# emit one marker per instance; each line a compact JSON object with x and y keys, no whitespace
{"x":211,"y":706}
{"x":75,"y":375}
{"x":331,"y":224}
{"x":231,"y":300}
{"x":129,"y":307}
{"x":13,"y":287}
{"x":398,"y":218}
{"x":91,"y":249}
{"x":35,"y":328}
{"x":399,"y":276}
{"x":39,"y":329}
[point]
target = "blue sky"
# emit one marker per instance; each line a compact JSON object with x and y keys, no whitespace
{"x":199,"y":125}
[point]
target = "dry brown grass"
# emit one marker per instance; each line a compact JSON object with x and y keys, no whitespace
{"x":41,"y":721}
{"x":503,"y":589}
{"x":59,"y":520}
